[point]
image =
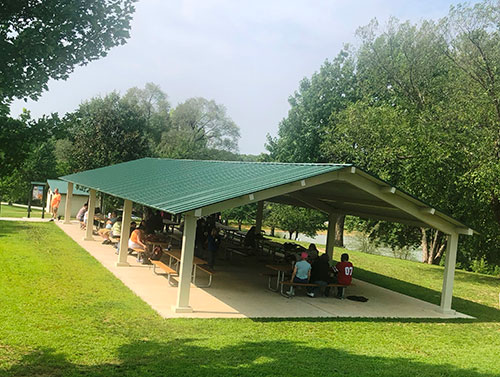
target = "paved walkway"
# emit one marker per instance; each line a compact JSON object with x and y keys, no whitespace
{"x":239,"y":290}
{"x":30,"y":219}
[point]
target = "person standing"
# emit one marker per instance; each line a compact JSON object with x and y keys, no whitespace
{"x":56,"y":200}
{"x":213,"y":242}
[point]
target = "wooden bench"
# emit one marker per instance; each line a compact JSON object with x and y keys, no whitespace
{"x":270,"y":276}
{"x":169,"y":271}
{"x":210,"y":272}
{"x":233,"y":250}
{"x":292,"y":284}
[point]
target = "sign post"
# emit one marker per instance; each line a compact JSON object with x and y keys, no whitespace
{"x":37,"y":192}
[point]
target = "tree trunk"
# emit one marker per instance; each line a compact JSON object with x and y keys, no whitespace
{"x":433,"y":246}
{"x":291,"y":234}
{"x":239,"y":225}
{"x":425,"y":248}
{"x":272,"y":231}
{"x":440,"y":252}
{"x":339,"y":231}
{"x":495,"y":206}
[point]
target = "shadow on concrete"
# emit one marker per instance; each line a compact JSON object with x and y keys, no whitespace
{"x":483,"y":313}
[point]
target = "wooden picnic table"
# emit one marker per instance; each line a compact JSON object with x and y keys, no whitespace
{"x":232,"y":234}
{"x":170,"y":223}
{"x":176,"y":255}
{"x":100,"y":219}
{"x":281,"y":269}
{"x":162,"y":244}
{"x":270,"y":246}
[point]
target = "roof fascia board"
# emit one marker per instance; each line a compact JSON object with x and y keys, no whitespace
{"x":357,"y":179}
{"x":271,"y":192}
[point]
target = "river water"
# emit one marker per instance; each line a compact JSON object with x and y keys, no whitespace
{"x":353,"y":241}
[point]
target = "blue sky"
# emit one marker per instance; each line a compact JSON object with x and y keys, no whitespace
{"x":247,"y":55}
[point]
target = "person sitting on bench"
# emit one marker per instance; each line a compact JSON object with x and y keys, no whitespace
{"x":343,"y":269}
{"x":105,"y":232}
{"x":320,"y":274}
{"x":136,"y":241}
{"x":301,"y":272}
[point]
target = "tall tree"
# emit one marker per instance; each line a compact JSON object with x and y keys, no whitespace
{"x":197,"y":125}
{"x":301,"y":133}
{"x":295,"y":220}
{"x":28,"y":154}
{"x":328,"y":91}
{"x":153,"y":103}
{"x":105,"y":131}
{"x":42,"y":40}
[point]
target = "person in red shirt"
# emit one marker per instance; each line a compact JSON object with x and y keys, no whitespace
{"x":343,"y":269}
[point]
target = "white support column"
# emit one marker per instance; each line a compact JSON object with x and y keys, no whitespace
{"x":330,"y":236}
{"x":69,"y":199}
{"x":449,"y":273}
{"x":258,"y":217}
{"x":124,"y":236}
{"x":90,"y":217}
{"x":186,"y":266}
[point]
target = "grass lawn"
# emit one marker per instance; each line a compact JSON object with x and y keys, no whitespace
{"x":63,"y":314}
{"x":11,"y":211}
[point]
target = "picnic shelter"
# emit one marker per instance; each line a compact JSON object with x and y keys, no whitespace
{"x":200,"y":188}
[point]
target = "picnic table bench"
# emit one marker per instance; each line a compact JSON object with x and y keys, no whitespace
{"x":169,"y":271}
{"x":292,"y":284}
{"x":175,"y":254}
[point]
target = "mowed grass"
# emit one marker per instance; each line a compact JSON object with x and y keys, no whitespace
{"x":63,"y":314}
{"x":18,"y":212}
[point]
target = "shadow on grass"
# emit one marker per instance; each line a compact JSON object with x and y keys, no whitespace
{"x":188,"y":357}
{"x":13,"y":227}
{"x":483,"y":313}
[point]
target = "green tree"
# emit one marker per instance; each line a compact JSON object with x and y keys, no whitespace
{"x":295,"y":220}
{"x":246,"y":213}
{"x":42,"y":40}
{"x":198,"y":125}
{"x":328,"y":91}
{"x":105,"y":131}
{"x":154,"y":105}
{"x":29,"y":153}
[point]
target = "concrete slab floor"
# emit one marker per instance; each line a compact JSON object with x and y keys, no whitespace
{"x":239,"y":290}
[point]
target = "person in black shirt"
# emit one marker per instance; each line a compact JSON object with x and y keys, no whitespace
{"x":320,"y":274}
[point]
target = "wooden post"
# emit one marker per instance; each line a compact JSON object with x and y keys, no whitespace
{"x":90,"y":217}
{"x":67,"y":207}
{"x":330,"y":236}
{"x":449,"y":273}
{"x":258,"y":217}
{"x":186,"y":266}
{"x":124,"y":236}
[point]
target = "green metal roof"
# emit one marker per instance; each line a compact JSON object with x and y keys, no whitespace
{"x":178,"y":186}
{"x":62,"y":186}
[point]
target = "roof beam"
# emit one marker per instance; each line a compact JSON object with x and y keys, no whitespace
{"x":341,"y":199}
{"x":388,"y":190}
{"x":427,"y":211}
{"x":270,"y":193}
{"x":360,"y":203}
{"x":311,"y":202}
{"x":374,"y":216}
{"x":405,"y":205}
{"x":466,"y":231}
